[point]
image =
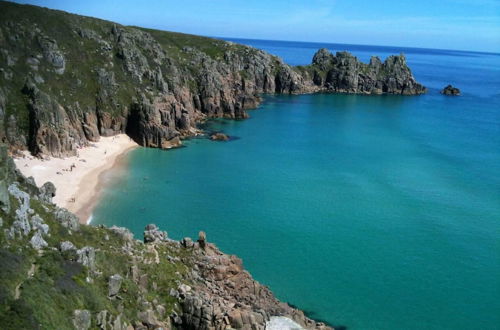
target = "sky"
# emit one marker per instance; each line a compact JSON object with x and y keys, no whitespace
{"x":444,"y":24}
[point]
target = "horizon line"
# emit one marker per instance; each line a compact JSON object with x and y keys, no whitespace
{"x":248,"y":38}
{"x":343,"y":43}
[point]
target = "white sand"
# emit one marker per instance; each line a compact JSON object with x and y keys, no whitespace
{"x":77,"y":189}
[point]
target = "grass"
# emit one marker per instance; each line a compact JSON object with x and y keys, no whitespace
{"x":60,"y":285}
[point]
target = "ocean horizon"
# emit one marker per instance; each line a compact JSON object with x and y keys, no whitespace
{"x":324,"y":44}
{"x":365,"y":211}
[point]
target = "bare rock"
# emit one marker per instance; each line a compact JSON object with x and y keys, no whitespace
{"x":67,"y":219}
{"x":153,"y":234}
{"x":187,"y":242}
{"x":47,"y":192}
{"x":219,"y":137}
{"x":81,"y":319}
{"x":21,"y":225}
{"x":450,"y":90}
{"x":123,"y":232}
{"x":202,"y":239}
{"x":38,"y":224}
{"x":114,"y":284}
{"x":86,"y":256}
{"x":37,"y":241}
{"x":67,"y":246}
{"x":344,"y":73}
{"x":102,"y":319}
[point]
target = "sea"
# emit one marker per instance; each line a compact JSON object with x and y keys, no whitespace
{"x":366,"y":212}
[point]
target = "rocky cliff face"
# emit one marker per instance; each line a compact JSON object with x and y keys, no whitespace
{"x":58,"y":274}
{"x":344,"y":73}
{"x":65,"y":80}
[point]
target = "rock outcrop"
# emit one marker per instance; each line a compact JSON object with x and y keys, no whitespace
{"x":225,"y":295}
{"x":219,"y":137}
{"x":450,"y":90}
{"x":344,"y":73}
{"x":66,"y":80}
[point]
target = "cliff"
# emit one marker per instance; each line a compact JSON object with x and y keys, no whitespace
{"x":58,"y":274}
{"x":66,"y":80}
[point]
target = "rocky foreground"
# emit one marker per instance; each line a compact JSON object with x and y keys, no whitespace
{"x":66,"y":80}
{"x":58,"y":274}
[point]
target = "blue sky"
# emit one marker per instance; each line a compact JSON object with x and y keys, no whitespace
{"x":447,"y":24}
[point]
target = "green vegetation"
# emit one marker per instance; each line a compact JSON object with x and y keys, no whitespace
{"x":43,"y":289}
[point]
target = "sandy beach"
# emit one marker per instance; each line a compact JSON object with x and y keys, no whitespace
{"x":78,"y":179}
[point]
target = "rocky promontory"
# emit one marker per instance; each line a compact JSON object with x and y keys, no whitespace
{"x":66,"y":80}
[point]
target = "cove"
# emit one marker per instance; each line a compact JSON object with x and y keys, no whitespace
{"x":370,"y":212}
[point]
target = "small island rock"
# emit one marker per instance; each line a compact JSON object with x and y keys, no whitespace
{"x":450,"y":90}
{"x":219,"y":137}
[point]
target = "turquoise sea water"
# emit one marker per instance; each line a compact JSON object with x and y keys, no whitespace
{"x":369,"y":212}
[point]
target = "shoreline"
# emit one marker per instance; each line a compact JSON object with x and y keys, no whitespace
{"x":79,"y":180}
{"x":104,"y":177}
